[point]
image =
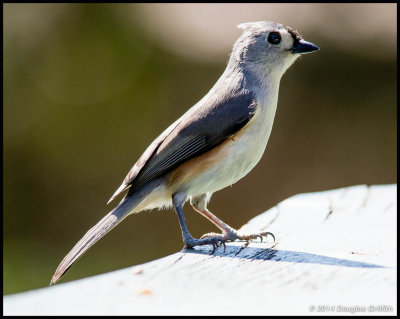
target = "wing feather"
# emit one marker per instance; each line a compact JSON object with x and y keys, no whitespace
{"x":200,"y":129}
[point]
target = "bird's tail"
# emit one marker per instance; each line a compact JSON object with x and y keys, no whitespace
{"x":96,"y":232}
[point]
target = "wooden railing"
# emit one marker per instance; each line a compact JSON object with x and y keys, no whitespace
{"x":335,"y":254}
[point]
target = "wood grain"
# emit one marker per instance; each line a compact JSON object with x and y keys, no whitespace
{"x":335,"y":254}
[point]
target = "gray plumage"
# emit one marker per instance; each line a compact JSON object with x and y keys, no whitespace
{"x":192,"y":135}
{"x":214,"y":144}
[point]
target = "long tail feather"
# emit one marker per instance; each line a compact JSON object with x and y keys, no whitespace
{"x":95,"y":233}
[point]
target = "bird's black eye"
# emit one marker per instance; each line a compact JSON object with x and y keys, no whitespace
{"x":274,"y":38}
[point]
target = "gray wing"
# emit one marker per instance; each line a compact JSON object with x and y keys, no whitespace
{"x":199,"y":130}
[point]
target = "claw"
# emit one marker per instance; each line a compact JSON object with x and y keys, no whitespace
{"x":217,"y":242}
{"x":246,"y":244}
{"x":268,"y":233}
{"x":223,"y":243}
{"x":212,"y":252}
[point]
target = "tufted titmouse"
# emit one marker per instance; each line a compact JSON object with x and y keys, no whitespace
{"x":214,"y":144}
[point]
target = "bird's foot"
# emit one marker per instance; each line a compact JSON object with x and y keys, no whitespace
{"x":215,"y":241}
{"x":232,"y":235}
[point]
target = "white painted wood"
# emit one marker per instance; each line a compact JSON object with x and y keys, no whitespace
{"x":335,"y":254}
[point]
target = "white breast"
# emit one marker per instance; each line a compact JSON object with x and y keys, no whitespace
{"x":241,"y":153}
{"x":222,"y":166}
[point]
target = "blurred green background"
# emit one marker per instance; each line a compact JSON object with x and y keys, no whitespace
{"x":87,"y":87}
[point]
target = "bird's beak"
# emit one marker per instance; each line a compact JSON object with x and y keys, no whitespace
{"x":303,"y":46}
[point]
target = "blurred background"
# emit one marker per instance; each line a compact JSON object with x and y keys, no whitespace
{"x":87,"y":87}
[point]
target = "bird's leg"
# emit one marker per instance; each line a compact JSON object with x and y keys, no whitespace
{"x":189,"y":241}
{"x":228,"y":233}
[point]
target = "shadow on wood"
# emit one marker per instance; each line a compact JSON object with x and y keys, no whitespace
{"x":335,"y":253}
{"x":281,"y":256}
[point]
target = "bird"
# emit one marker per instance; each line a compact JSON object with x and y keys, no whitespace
{"x":211,"y":146}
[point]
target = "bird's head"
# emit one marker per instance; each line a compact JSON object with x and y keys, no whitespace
{"x":269,"y":47}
